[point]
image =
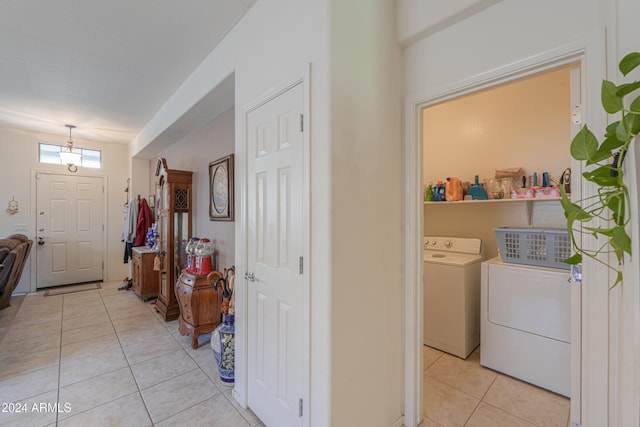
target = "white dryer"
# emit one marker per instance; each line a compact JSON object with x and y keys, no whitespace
{"x":526,"y":323}
{"x":452,"y":294}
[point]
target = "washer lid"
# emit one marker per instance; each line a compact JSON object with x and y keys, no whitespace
{"x":451,"y":258}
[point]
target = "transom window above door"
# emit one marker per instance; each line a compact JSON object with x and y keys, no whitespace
{"x":48,"y":153}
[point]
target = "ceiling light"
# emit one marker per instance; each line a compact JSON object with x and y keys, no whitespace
{"x":68,"y":156}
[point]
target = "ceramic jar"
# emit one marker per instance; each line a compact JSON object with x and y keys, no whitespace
{"x":223,"y":347}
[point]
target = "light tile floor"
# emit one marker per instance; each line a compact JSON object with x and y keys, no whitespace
{"x":107,"y":359}
{"x":112,"y":361}
{"x":463,"y":393}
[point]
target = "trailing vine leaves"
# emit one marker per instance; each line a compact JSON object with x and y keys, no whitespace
{"x":610,"y":205}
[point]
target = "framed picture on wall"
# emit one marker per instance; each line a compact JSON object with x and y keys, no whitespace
{"x":221,"y":189}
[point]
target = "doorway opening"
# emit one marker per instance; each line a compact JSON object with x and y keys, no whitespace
{"x":522,"y":121}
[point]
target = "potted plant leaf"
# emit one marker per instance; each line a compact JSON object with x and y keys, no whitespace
{"x":610,"y":205}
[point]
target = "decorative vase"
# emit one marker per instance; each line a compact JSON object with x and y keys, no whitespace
{"x":223,"y":346}
{"x":151,"y":237}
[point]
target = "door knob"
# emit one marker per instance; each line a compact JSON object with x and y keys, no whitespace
{"x":250,"y":276}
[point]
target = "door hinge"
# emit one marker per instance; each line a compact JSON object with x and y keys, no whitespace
{"x":576,"y":274}
{"x":300,"y":408}
{"x":576,"y":115}
{"x":301,"y":123}
{"x":574,"y":424}
{"x":301,"y":265}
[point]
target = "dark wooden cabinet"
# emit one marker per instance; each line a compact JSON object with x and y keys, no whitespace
{"x":174,"y":218}
{"x":145,"y":279}
{"x":200,"y":304}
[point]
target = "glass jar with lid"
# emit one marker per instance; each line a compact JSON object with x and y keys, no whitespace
{"x":204,"y":256}
{"x":191,"y":251}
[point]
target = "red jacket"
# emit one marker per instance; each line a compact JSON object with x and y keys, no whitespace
{"x":145,"y":220}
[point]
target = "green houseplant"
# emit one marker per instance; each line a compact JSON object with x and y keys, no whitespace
{"x":610,"y":206}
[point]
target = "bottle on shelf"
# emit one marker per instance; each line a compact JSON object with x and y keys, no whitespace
{"x":439,"y":192}
{"x":428,"y":194}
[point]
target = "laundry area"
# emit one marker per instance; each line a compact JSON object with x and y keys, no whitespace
{"x":494,"y":230}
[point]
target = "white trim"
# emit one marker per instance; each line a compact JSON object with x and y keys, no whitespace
{"x":595,"y":374}
{"x":576,"y":91}
{"x":34,"y":220}
{"x":629,"y":391}
{"x":413,"y":233}
{"x":240,"y":390}
{"x":570,"y":53}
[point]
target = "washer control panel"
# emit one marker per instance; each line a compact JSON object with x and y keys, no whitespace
{"x":453,"y":244}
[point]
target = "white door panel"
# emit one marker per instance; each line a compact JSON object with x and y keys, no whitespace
{"x":274,"y":213}
{"x":69,"y":229}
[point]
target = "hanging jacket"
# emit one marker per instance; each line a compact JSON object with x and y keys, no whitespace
{"x":129,"y":232}
{"x":145,"y":221}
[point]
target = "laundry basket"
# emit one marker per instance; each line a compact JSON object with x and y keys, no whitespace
{"x":540,"y":247}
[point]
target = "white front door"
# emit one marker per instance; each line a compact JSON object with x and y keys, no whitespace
{"x":69,"y":229}
{"x":274,"y":249}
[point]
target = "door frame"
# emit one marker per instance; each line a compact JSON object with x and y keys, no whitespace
{"x":34,"y":220}
{"x":241,"y":384}
{"x":590,"y":380}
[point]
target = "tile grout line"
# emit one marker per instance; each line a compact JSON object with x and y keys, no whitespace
{"x":221,"y":392}
{"x":60,"y":362}
{"x":66,"y":305}
{"x":198,"y":367}
{"x":59,"y":357}
{"x":144,"y":403}
{"x":104,"y":403}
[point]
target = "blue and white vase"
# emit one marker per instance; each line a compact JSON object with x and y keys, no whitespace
{"x":223,"y":346}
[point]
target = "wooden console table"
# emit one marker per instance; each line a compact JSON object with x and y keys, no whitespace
{"x":199,"y":304}
{"x":145,"y":280}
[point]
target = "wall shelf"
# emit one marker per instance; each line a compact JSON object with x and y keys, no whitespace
{"x":528,"y":203}
{"x":472,"y":202}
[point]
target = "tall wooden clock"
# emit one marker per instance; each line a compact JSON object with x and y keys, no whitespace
{"x":173,"y":189}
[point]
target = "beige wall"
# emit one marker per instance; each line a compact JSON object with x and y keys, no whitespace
{"x":524,"y":123}
{"x":194,"y":153}
{"x":366,"y":230}
{"x":478,"y":220}
{"x":20,"y":158}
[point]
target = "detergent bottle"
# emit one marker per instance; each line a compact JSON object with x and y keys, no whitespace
{"x":454,"y":190}
{"x":439,"y":192}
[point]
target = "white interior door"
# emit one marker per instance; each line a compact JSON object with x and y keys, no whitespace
{"x":274,"y":249}
{"x":69,"y":228}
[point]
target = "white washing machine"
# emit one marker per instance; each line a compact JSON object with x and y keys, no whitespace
{"x":452,"y":294}
{"x":526,"y":323}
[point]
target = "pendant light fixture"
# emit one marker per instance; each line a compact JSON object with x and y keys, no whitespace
{"x":68,"y":156}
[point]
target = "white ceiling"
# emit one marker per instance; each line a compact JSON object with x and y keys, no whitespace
{"x":106,"y":66}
